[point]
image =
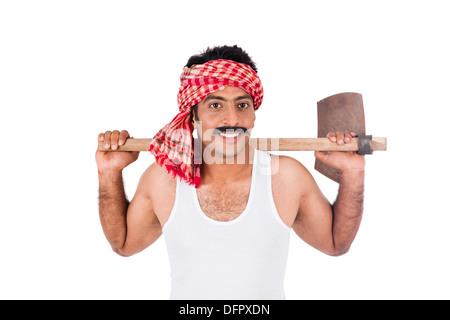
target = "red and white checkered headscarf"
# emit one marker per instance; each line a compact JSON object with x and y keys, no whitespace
{"x":173,"y":145}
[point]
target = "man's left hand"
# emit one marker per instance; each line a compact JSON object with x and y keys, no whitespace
{"x":343,"y":161}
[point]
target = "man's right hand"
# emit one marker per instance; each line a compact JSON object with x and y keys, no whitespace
{"x":114,"y":161}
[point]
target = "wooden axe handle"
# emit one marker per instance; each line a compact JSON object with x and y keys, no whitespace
{"x":273,"y":144}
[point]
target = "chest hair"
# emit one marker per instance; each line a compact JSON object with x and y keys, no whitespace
{"x":223,"y":204}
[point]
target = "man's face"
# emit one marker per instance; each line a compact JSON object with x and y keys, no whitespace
{"x":226,"y":119}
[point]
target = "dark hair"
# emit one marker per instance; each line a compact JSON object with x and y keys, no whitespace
{"x":233,"y":53}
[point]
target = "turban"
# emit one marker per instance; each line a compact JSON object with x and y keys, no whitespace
{"x":173,"y":145}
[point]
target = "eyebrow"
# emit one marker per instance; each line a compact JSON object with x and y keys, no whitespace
{"x":220,"y":98}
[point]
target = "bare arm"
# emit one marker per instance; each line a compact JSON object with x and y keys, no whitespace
{"x":129,"y":227}
{"x":113,"y":206}
{"x":332,"y":228}
{"x":348,"y":209}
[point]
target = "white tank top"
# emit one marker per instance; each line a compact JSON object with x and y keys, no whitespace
{"x":244,"y":258}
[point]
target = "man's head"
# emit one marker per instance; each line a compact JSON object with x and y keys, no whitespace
{"x":233,"y":53}
{"x":226,"y":116}
{"x":226,"y":75}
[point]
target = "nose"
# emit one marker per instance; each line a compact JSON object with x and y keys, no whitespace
{"x":231,"y":117}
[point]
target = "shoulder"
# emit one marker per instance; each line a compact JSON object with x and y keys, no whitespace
{"x":158,"y":187}
{"x":286,"y":167}
{"x":156,"y":180}
{"x":290,"y":175}
{"x":291,"y":184}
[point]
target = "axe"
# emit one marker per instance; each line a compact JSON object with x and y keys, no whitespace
{"x":343,"y":112}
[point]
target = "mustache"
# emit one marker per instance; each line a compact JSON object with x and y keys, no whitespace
{"x":231,"y":129}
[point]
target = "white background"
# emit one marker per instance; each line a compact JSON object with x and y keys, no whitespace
{"x":72,"y":69}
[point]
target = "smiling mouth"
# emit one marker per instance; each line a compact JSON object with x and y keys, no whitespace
{"x":231,"y":134}
{"x":231,"y":137}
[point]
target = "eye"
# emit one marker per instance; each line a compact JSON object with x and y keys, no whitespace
{"x":243,"y":105}
{"x":214,"y":105}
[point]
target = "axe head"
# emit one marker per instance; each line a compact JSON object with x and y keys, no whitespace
{"x":343,"y":112}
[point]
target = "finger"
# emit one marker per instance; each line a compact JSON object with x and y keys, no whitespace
{"x":354,"y":134}
{"x":107,"y":140}
{"x":123,"y":136}
{"x":114,"y":139}
{"x":340,"y":138}
{"x":320,"y":154}
{"x":101,"y":136}
{"x":347,"y":137}
{"x":331,"y":136}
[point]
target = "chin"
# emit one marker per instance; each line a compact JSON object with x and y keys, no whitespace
{"x":232,"y":153}
{"x":221,"y":153}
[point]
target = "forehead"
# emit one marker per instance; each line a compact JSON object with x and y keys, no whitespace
{"x":228,"y":92}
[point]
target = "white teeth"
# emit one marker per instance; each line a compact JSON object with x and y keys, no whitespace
{"x":229,"y":135}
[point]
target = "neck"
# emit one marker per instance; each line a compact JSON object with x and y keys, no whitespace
{"x":230,"y":169}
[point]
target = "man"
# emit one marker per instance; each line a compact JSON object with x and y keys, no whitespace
{"x":227,"y":219}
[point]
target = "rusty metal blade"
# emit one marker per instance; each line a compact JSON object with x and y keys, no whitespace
{"x":343,"y":112}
